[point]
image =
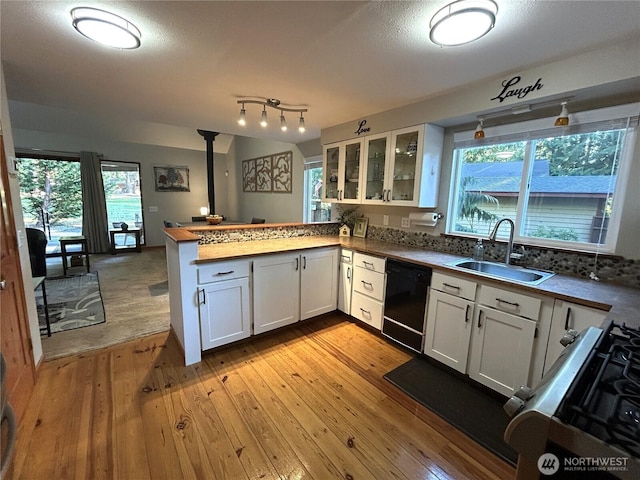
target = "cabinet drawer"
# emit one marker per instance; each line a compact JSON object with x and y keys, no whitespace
{"x":217,"y":271}
{"x":366,"y":309}
{"x":346,"y":256}
{"x":510,"y":302}
{"x":369,"y":283}
{"x":454,"y":285}
{"x":375,"y":264}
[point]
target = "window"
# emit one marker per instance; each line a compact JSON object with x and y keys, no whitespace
{"x":314,"y":209}
{"x":560,"y":186}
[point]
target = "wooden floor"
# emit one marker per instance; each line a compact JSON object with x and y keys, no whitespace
{"x":308,"y":402}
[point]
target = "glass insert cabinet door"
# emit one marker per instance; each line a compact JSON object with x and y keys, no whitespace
{"x":376,"y":164}
{"x":405,"y":153}
{"x":351,"y":189}
{"x":330,"y":172}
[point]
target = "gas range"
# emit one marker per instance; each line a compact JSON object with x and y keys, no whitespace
{"x":583,"y":419}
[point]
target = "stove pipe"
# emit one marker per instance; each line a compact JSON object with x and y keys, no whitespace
{"x":209,"y":138}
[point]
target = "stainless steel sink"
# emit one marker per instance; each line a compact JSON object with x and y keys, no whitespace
{"x":503,"y":271}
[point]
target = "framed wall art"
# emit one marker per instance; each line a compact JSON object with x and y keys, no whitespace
{"x":360,"y":228}
{"x":268,"y":174}
{"x":171,"y":179}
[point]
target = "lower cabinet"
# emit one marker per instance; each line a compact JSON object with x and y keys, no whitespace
{"x":501,"y":350}
{"x":224,"y":299}
{"x":276,"y":291}
{"x":483,"y":331}
{"x":293,"y":286}
{"x":345,"y":281}
{"x":367,"y":300}
{"x":569,"y":316}
{"x":449,"y":325}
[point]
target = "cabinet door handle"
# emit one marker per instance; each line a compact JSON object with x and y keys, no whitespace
{"x":448,"y":285}
{"x":297,"y":264}
{"x":225,"y":273}
{"x":480,"y":319}
{"x":348,"y":273}
{"x":566,"y":320}
{"x":388,"y":195}
{"x":304,"y":262}
{"x":513,"y":304}
{"x":367,"y":283}
{"x":204,"y":297}
{"x":466,"y":314}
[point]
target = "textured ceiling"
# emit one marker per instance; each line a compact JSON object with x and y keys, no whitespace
{"x":342,"y":60}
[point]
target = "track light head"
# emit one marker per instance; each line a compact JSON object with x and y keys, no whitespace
{"x":563,"y":119}
{"x":263,"y":118}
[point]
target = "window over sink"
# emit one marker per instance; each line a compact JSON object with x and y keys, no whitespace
{"x":562,"y":186}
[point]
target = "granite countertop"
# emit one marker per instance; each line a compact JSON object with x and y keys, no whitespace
{"x":623,"y":303}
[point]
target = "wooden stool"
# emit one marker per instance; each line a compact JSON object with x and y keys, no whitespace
{"x":69,"y":241}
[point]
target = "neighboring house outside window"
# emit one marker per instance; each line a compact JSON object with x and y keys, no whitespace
{"x":561,"y":186}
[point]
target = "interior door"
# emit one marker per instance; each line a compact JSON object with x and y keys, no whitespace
{"x":14,"y":327}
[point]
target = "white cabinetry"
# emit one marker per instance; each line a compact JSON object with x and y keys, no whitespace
{"x":224,"y":302}
{"x":345,"y":281}
{"x":318,"y":282}
{"x":569,"y":316}
{"x":342,"y":171}
{"x":484,"y":331}
{"x":367,"y":301}
{"x":502,"y":338}
{"x":293,"y":286}
{"x":450,"y":320}
{"x":403,"y":167}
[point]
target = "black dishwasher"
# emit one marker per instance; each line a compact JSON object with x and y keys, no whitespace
{"x":405,"y":303}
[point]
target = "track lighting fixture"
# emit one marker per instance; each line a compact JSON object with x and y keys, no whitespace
{"x":479,"y":133}
{"x":275,"y":104}
{"x":563,"y":119}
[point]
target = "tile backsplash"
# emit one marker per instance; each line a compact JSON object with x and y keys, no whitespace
{"x":608,"y":269}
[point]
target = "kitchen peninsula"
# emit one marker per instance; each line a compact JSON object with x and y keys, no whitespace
{"x":202,"y":259}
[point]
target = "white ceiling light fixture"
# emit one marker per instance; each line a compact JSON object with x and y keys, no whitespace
{"x":462,"y":21}
{"x":106,"y":28}
{"x":275,"y":104}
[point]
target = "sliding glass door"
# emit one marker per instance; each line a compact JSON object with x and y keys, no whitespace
{"x":51,"y":197}
{"x":121,"y":182}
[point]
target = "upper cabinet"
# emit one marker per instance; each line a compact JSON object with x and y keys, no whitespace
{"x":342,"y":171}
{"x":401,"y":167}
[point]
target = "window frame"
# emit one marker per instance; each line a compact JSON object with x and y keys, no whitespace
{"x":529,"y":132}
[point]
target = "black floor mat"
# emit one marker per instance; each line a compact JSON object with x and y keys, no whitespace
{"x":472,"y":410}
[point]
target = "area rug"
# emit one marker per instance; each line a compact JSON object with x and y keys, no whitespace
{"x":73,"y":302}
{"x":472,"y":410}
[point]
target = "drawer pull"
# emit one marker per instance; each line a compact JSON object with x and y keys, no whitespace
{"x":368,"y":264}
{"x":346,"y":258}
{"x":365,"y":311}
{"x":466,"y":314}
{"x":566,"y":320}
{"x":513,"y":304}
{"x":226,"y":273}
{"x":448,"y":285}
{"x":367,"y":283}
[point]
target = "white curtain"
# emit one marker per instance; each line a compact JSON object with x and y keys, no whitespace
{"x":94,"y":206}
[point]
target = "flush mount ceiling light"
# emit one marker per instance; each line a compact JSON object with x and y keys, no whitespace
{"x":462,"y":21}
{"x":275,"y":104}
{"x":105,"y":28}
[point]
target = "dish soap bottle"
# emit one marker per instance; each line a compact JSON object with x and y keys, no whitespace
{"x":478,"y":251}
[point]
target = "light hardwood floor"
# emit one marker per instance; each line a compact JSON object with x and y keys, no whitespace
{"x":305,"y":402}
